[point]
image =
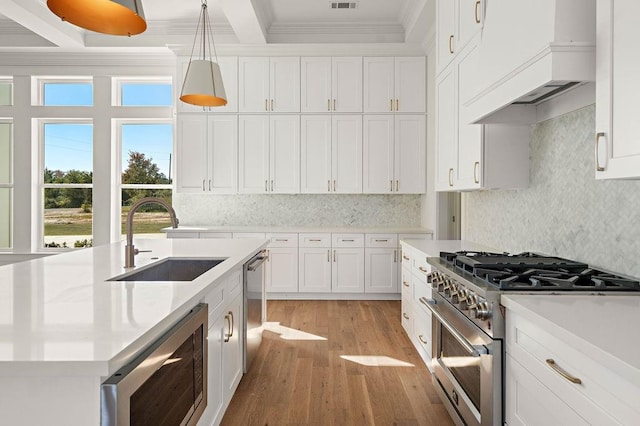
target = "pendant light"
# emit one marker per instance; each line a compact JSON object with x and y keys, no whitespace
{"x":114,"y":17}
{"x":203,"y":81}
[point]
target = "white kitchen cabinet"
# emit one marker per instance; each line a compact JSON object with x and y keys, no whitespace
{"x":315,"y":270}
{"x":282,"y":270}
{"x":394,"y":151}
{"x":331,"y":84}
{"x":406,"y":304}
{"x":269,"y":154}
{"x":474,"y":156}
{"x":232,"y":347}
{"x":381,"y":270}
{"x":331,"y":154}
{"x":347,"y":274}
{"x":617,"y":136}
{"x":445,"y":33}
{"x":394,"y":84}
{"x":269,"y":84}
{"x":229,"y":70}
{"x":207,"y":153}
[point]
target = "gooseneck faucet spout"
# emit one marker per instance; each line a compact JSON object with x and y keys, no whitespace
{"x":130,"y":251}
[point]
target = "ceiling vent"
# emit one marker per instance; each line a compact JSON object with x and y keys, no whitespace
{"x":343,"y":5}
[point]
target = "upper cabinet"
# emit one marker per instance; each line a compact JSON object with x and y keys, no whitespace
{"x":331,"y":84}
{"x":269,"y":84}
{"x":617,"y":138}
{"x":394,"y":154}
{"x":395,"y":84}
{"x":457,"y":21}
{"x":229,"y":70}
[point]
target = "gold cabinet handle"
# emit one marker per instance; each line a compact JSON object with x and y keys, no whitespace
{"x":563,"y":373}
{"x":271,"y":185}
{"x":405,"y":316}
{"x":451,"y":44}
{"x":266,"y":185}
{"x":475,"y":172}
{"x":229,"y":319}
{"x":423,"y":270}
{"x":404,"y":283}
{"x":451,"y":176}
{"x":405,"y":257}
{"x":424,"y":342}
{"x":334,"y":185}
{"x":203,"y":185}
{"x":397,"y":185}
{"x":334,"y":104}
{"x":328,"y":254}
{"x":395,"y":256}
{"x":477,"y":11}
{"x":266,"y":105}
{"x":599,"y":135}
{"x":390,"y":104}
{"x":328,"y":104}
{"x":397,"y":105}
{"x":271,"y":104}
{"x":334,"y":255}
{"x":328,"y":186}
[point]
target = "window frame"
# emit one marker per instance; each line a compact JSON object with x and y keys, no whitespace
{"x":38,"y":83}
{"x":10,"y":184}
{"x":118,"y":82}
{"x":9,"y":80}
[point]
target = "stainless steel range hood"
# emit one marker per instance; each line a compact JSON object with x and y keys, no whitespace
{"x":529,"y":53}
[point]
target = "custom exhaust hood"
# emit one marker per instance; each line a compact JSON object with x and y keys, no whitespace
{"x":529,"y":53}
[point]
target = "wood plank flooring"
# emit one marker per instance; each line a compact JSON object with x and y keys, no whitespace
{"x":296,"y":380}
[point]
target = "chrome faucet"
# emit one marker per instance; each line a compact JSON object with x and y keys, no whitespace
{"x":129,"y":250}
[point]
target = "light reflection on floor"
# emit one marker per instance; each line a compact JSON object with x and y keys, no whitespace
{"x":376,"y":361}
{"x":287,"y":333}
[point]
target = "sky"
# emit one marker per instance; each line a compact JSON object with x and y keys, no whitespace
{"x":70,"y":146}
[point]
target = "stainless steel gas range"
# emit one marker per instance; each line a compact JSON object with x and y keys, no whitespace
{"x":469,"y":325}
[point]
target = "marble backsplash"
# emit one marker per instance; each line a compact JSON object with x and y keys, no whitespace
{"x":565,"y":211}
{"x":298,"y":210}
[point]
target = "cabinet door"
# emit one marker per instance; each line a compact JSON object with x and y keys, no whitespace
{"x":315,"y":154}
{"x":381,"y":270}
{"x":469,"y":169}
{"x":378,"y":176}
{"x":223,"y":154}
{"x":253,"y":155}
{"x":315,"y":84}
{"x":346,"y":154}
{"x":446,"y":122}
{"x":253,"y":84}
{"x":229,"y":70}
{"x":617,"y":86}
{"x":346,"y":82}
{"x":191,"y":153}
{"x":215,"y":394}
{"x":284,"y":76}
{"x":469,"y":16}
{"x":315,"y":270}
{"x":378,"y":84}
{"x":285,"y":154}
{"x":347,"y":271}
{"x":410,"y":84}
{"x":410,"y":154}
{"x":232,"y":348}
{"x":445,"y":33}
{"x":282,"y":270}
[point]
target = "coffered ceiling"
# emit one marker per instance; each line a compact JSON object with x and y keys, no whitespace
{"x":171,"y":24}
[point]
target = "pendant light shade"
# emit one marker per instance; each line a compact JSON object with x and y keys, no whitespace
{"x":114,"y":17}
{"x":202,"y":84}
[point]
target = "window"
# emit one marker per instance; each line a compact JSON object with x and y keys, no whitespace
{"x":146,"y":172}
{"x":64,"y":91}
{"x":143,"y":92}
{"x":6,"y":186}
{"x":6,"y":92}
{"x":67,"y":183}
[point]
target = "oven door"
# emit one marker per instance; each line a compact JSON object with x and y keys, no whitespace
{"x":467,"y":366}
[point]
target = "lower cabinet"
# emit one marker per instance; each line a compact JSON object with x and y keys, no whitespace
{"x":381,"y":270}
{"x":347,"y":274}
{"x":315,"y":270}
{"x":282,"y":270}
{"x":225,"y":346}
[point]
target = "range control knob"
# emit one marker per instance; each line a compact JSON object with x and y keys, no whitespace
{"x":481,"y":312}
{"x":460,"y":298}
{"x":452,"y":290}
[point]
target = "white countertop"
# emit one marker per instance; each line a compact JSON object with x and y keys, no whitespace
{"x":60,"y":315}
{"x":605,"y":327}
{"x":432,"y":248}
{"x":296,"y":229}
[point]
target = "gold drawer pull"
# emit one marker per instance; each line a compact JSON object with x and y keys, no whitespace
{"x":475,"y":172}
{"x":405,"y":316}
{"x":423,"y":270}
{"x":451,"y":44}
{"x":599,"y":168}
{"x":405,"y":257}
{"x":477,"y":14}
{"x":424,"y":342}
{"x":404,"y":283}
{"x":563,"y":373}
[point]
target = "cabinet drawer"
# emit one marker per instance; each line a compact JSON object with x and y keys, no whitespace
{"x":234,"y":284}
{"x":216,"y":235}
{"x":406,"y":284}
{"x":215,"y":300}
{"x":240,"y":235}
{"x":422,"y":330}
{"x":407,"y":315}
{"x":602,"y":395}
{"x":407,"y":257}
{"x":315,"y":240}
{"x":182,"y":235}
{"x":420,"y":265}
{"x":421,"y":289}
{"x":419,"y":237}
{"x":347,"y":240}
{"x":282,"y":240}
{"x":381,"y":240}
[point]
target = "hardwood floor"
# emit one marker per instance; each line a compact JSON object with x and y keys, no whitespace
{"x":296,"y":380}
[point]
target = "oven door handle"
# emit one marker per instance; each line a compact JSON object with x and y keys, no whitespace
{"x":475,"y":351}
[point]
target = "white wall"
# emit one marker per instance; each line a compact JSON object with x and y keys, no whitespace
{"x":565,"y":211}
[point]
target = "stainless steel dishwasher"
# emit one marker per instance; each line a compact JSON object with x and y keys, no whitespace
{"x":254,"y":306}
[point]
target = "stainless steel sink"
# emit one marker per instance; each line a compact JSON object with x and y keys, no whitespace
{"x":171,"y":269}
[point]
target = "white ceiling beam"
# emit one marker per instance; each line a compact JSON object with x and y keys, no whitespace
{"x":246,"y":21}
{"x":35,"y":16}
{"x":416,"y":19}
